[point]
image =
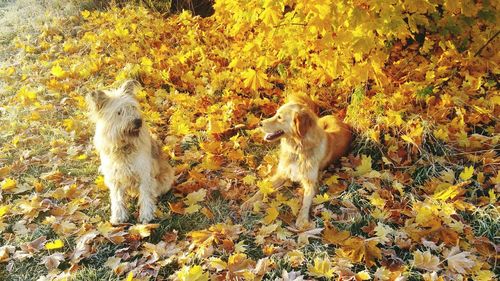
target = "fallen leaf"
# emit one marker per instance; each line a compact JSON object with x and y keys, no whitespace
{"x":56,"y":244}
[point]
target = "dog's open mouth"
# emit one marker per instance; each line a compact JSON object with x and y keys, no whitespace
{"x":273,"y":136}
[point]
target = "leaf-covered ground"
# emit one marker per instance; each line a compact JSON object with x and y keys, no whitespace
{"x":416,"y":199}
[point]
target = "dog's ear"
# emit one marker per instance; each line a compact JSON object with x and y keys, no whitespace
{"x":302,"y":121}
{"x":96,"y":100}
{"x":128,"y":87}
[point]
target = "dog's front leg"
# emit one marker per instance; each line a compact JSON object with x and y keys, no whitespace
{"x":309,"y":193}
{"x":118,"y":209}
{"x":277,"y":181}
{"x":147,"y":199}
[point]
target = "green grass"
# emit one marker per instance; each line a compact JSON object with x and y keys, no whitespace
{"x":95,"y":274}
{"x":28,"y":269}
{"x":484,"y":222}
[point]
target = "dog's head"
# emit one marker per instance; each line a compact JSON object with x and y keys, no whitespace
{"x":292,"y":120}
{"x":116,"y":111}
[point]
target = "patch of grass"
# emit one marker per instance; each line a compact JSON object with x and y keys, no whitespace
{"x":435,"y":146}
{"x":253,"y":251}
{"x":281,"y":264}
{"x":94,"y":274}
{"x":186,"y":223}
{"x":484,"y":222}
{"x":98,"y":259}
{"x":169,"y":269}
{"x":83,"y":169}
{"x":423,"y":173}
{"x":362,"y":145}
{"x":28,"y":269}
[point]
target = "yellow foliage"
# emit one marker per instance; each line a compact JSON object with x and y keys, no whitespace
{"x":420,"y":106}
{"x":56,"y":244}
{"x":321,"y":268}
{"x":192,"y":273}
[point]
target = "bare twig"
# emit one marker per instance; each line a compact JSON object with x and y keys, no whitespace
{"x":486,"y":44}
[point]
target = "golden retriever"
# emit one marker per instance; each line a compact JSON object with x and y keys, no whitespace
{"x":308,"y":145}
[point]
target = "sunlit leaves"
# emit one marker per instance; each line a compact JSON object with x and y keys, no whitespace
{"x":420,"y":178}
{"x":142,"y":230}
{"x":8,"y":184}
{"x":56,"y":244}
{"x":357,"y":250}
{"x":458,"y":261}
{"x":467,"y":173}
{"x":365,"y":166}
{"x":192,"y":273}
{"x":255,"y":79}
{"x":425,"y":260}
{"x":57,"y":71}
{"x":193,"y":199}
{"x":321,"y":268}
{"x":85,"y":14}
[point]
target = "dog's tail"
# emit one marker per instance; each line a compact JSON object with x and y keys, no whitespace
{"x":302,"y":98}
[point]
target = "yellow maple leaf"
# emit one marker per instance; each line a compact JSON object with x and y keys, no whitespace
{"x":85,"y":14}
{"x":192,"y":273}
{"x":467,"y":173}
{"x":377,"y":201}
{"x":271,"y":16}
{"x":321,"y":268}
{"x":425,"y":260}
{"x":333,"y":236}
{"x":451,"y":192}
{"x":217,"y":264}
{"x":426,"y":214}
{"x":3,"y":210}
{"x":484,"y":275}
{"x":265,"y":187}
{"x":192,"y":209}
{"x":8,"y":184}
{"x":272,"y":214}
{"x":358,"y":249}
{"x":57,"y":71}
{"x":195,"y":197}
{"x":142,"y":230}
{"x":249,"y":179}
{"x":294,"y":205}
{"x":332,"y":180}
{"x":130,"y":276}
{"x":255,"y":80}
{"x":493,"y":196}
{"x":26,"y":95}
{"x":365,"y":166}
{"x":363,"y":275}
{"x":320,"y":199}
{"x":56,"y":244}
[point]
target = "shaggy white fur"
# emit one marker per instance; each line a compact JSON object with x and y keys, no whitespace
{"x":131,"y":159}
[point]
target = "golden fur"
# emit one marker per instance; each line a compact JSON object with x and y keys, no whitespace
{"x":308,"y":145}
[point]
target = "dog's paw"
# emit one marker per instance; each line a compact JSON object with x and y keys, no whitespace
{"x":302,"y":222}
{"x":146,"y":217}
{"x":114,"y":220}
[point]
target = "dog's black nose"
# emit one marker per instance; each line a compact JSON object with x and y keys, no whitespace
{"x":138,"y":122}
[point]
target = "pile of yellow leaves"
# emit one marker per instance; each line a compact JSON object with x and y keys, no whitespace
{"x":416,"y":199}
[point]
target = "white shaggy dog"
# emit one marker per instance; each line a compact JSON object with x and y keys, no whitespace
{"x":131,"y":159}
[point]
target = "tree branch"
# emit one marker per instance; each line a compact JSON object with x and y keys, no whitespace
{"x":486,"y":44}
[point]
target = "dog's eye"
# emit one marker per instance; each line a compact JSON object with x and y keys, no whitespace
{"x":279,"y":117}
{"x":119,"y":112}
